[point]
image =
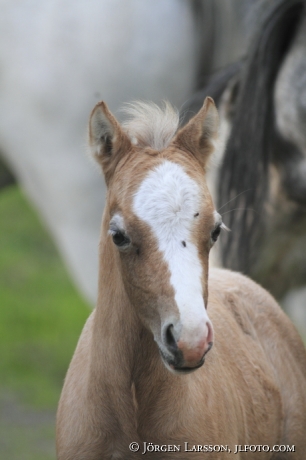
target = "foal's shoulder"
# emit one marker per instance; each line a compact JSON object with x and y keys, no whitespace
{"x":249,"y":303}
{"x":229,"y":283}
{"x":254,"y":309}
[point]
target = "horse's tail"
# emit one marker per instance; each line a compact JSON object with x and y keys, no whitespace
{"x":243,"y":180}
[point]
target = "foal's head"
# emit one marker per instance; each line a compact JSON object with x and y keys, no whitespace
{"x":161,"y":221}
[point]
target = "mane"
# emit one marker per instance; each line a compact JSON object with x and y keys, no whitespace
{"x":149,"y":125}
{"x":243,"y":180}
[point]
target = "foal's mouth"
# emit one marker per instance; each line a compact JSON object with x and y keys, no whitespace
{"x":177,"y":368}
{"x":188,"y":370}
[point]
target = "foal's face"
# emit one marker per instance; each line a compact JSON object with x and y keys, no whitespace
{"x":162,"y":223}
{"x":163,"y":229}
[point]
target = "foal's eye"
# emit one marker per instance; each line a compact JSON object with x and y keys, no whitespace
{"x":216,"y":232}
{"x":120,"y":239}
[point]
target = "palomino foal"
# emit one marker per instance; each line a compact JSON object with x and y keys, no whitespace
{"x":131,"y":379}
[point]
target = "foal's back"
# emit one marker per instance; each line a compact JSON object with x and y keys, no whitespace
{"x":264,"y":330}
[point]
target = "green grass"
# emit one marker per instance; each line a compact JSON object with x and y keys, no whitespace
{"x":41,"y":314}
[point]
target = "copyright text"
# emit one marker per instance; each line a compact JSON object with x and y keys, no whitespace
{"x":187,"y":447}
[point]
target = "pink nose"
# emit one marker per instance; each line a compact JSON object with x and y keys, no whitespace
{"x":194,"y":351}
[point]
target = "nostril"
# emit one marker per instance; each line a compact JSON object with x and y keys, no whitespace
{"x":209,"y":345}
{"x":170,"y":340}
{"x":210,"y":335}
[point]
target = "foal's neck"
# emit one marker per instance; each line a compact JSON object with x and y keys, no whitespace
{"x":130,"y":347}
{"x":117,"y":329}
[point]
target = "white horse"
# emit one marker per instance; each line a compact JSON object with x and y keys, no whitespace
{"x":58,"y":58}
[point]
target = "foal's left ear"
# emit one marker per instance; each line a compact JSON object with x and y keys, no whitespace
{"x":108,"y":142}
{"x":200,"y":132}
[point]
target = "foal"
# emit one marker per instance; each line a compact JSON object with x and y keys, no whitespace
{"x":131,"y":379}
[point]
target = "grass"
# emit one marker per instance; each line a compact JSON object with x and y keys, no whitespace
{"x":41,"y":317}
{"x":41,"y":314}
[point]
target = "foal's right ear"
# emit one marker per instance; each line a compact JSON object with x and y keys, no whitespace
{"x":108,"y":142}
{"x":201,"y":131}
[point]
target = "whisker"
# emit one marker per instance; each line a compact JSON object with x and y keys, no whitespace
{"x":240,"y":209}
{"x":234,"y":198}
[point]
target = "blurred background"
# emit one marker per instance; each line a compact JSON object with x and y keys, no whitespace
{"x":57,"y":59}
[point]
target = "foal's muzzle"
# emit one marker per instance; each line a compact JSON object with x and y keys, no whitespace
{"x":182,"y":356}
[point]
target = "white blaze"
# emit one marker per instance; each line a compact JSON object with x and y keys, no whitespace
{"x":168,"y":200}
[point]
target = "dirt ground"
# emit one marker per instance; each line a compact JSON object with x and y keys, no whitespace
{"x":26,"y":433}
